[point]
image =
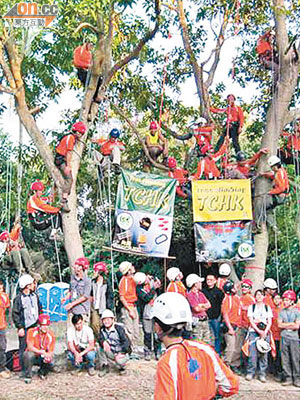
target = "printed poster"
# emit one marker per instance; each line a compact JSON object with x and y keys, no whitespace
{"x":144,"y":214}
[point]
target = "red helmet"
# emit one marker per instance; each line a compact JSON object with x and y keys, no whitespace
{"x":38,"y":185}
{"x":44,"y":319}
{"x":172,"y":162}
{"x":83,"y":261}
{"x":101,"y":267}
{"x":79,"y":127}
{"x":153,"y":125}
{"x":289,"y":294}
{"x":4,"y":236}
{"x":247,"y":282}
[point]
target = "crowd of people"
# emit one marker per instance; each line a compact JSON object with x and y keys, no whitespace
{"x":240,"y":331}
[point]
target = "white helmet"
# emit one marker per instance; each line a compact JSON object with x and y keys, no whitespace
{"x":172,"y":273}
{"x":273,"y":160}
{"x":25,"y":280}
{"x":124,"y":267}
{"x":201,"y":121}
{"x":192,"y":279}
{"x":263,"y":346}
{"x":270,"y":284}
{"x":225,"y":269}
{"x":107,"y":314}
{"x":139,"y":278}
{"x":172,"y":309}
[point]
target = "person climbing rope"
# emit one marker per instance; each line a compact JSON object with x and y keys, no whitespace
{"x":207,"y":167}
{"x":234,"y":122}
{"x":290,"y":153}
{"x":110,"y":151}
{"x":156,"y":143}
{"x":16,"y":253}
{"x":63,"y":159}
{"x":266,"y":51}
{"x":83,"y":61}
{"x":242,"y":168}
{"x":41,"y":214}
{"x":183,"y":188}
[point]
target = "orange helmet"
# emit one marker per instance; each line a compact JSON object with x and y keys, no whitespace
{"x":79,"y":127}
{"x":101,"y":267}
{"x":38,"y":185}
{"x":83,"y":261}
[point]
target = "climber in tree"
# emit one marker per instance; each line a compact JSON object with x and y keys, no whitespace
{"x":266,"y":50}
{"x":242,"y":168}
{"x":40,"y":213}
{"x":156,"y":143}
{"x":234,"y":122}
{"x":110,"y":151}
{"x":202,"y":131}
{"x":183,"y":188}
{"x":290,"y":153}
{"x":63,"y":158}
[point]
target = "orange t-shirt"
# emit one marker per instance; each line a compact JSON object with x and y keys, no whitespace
{"x":231,"y":305}
{"x":268,"y":300}
{"x":82,"y":57}
{"x":42,"y":341}
{"x":35,"y":203}
{"x":177,"y":287}
{"x":246,"y":301}
{"x":4,"y":304}
{"x":274,"y":327}
{"x":180,"y":175}
{"x":281,"y":182}
{"x":66,"y":144}
{"x":108,"y":145}
{"x":192,"y":370}
{"x":127,"y":289}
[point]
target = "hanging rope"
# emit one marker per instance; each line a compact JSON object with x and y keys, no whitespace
{"x":110,"y":234}
{"x":276,"y":250}
{"x":289,"y":250}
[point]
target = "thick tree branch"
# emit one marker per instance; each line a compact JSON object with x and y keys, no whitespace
{"x":5,"y":89}
{"x":86,"y":25}
{"x":291,"y":115}
{"x":142,"y":142}
{"x":282,"y":39}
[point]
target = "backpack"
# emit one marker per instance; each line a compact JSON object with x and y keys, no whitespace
{"x":13,"y":360}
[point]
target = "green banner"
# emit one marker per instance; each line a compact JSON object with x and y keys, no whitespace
{"x":146,"y":192}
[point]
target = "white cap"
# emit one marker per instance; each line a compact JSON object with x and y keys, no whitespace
{"x":273,"y":160}
{"x":191,"y":279}
{"x":172,"y":309}
{"x":25,"y":280}
{"x":263,"y":346}
{"x":107,"y":314}
{"x":270,"y":283}
{"x":124,"y":267}
{"x":139,"y":278}
{"x":172,"y":273}
{"x":225,"y":269}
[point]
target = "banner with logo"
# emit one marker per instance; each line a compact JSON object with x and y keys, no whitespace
{"x":222,"y":200}
{"x":144,"y":214}
{"x":230,"y":240}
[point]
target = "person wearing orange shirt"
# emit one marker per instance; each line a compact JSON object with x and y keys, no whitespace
{"x":267,"y":55}
{"x":183,"y":188}
{"x":4,"y":305}
{"x":242,"y":168}
{"x":207,"y":167}
{"x":224,"y":273}
{"x":270,"y":290}
{"x":275,"y":364}
{"x":290,"y":153}
{"x":231,"y":312}
{"x":40,"y":349}
{"x":128,"y":298}
{"x":63,"y":158}
{"x":40,"y":213}
{"x":175,"y":277}
{"x":234,"y":122}
{"x":188,"y":370}
{"x":17,"y":254}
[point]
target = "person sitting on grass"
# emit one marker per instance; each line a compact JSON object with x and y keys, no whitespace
{"x":114,"y":343}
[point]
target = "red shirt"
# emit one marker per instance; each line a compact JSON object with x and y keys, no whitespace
{"x":108,"y":146}
{"x":179,"y":174}
{"x":207,"y":166}
{"x":234,"y":114}
{"x":82,"y":57}
{"x":4,"y":304}
{"x":195,"y":298}
{"x":246,"y":301}
{"x":231,"y":306}
{"x":127,"y":289}
{"x":40,"y":340}
{"x":263,"y":45}
{"x":280,"y":183}
{"x":66,"y":144}
{"x":274,"y":327}
{"x":293,"y":142}
{"x":35,"y":203}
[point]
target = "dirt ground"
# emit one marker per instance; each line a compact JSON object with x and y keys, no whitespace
{"x":137,"y":384}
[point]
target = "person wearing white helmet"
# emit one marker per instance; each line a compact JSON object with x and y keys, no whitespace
{"x":199,"y":306}
{"x":146,"y":290}
{"x":128,"y":298}
{"x":176,"y":285}
{"x":25,"y":312}
{"x":188,"y":369}
{"x":270,"y":290}
{"x":278,"y":194}
{"x":114,"y":342}
{"x":224,"y":273}
{"x":260,"y":318}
